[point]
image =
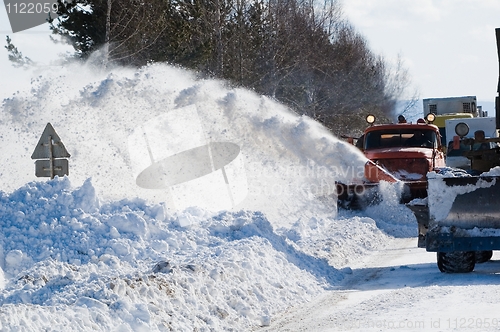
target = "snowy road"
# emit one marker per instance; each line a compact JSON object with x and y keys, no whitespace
{"x":401,"y":288}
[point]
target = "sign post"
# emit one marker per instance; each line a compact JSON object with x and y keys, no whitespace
{"x":52,"y":155}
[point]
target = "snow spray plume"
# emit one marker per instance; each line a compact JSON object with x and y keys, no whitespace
{"x":283,"y":159}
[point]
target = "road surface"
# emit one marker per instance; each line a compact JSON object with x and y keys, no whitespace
{"x":401,"y":288}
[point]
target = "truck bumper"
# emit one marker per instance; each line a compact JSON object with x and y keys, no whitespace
{"x":436,"y":241}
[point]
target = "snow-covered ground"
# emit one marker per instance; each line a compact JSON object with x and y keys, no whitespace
{"x":399,"y":288}
{"x":235,"y":233}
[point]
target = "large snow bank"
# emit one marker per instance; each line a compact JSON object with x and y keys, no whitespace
{"x":72,"y":262}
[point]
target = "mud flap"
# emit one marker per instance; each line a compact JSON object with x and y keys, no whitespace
{"x":421,"y":213}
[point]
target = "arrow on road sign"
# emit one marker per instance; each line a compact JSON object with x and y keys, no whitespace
{"x":50,"y":141}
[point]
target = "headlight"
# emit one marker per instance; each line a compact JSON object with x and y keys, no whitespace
{"x":370,"y":118}
{"x":462,"y":129}
{"x":430,"y":117}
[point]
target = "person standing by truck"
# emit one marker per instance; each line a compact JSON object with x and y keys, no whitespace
{"x":479,"y":143}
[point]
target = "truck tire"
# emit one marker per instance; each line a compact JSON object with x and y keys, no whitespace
{"x":483,"y":256}
{"x":456,"y":262}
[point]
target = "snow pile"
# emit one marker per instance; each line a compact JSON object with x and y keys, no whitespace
{"x":495,"y":171}
{"x":447,"y":172}
{"x":70,"y":260}
{"x":96,"y":251}
{"x":473,"y":232}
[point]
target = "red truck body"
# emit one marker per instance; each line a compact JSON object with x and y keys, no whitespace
{"x":397,"y":149}
{"x":396,"y":152}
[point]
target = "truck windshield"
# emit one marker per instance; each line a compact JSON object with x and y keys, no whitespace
{"x":401,"y":138}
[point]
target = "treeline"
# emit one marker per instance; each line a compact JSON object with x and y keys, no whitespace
{"x":300,"y":52}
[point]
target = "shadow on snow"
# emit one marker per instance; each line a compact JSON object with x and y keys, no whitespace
{"x":261,"y":227}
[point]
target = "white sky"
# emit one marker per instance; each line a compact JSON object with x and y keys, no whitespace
{"x":34,"y":43}
{"x":448,"y":45}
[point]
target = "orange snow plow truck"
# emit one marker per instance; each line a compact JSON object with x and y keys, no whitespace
{"x":457,"y":210}
{"x":402,"y":152}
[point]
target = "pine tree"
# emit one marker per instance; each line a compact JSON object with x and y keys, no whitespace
{"x":83,"y":23}
{"x":17,"y":58}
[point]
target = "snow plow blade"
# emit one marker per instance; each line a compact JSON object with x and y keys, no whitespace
{"x":361,"y":196}
{"x":358,"y":196}
{"x":464,"y":214}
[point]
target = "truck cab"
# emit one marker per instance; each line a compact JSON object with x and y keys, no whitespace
{"x":407,"y":151}
{"x":402,"y":152}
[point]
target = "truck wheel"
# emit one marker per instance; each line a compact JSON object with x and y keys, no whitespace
{"x":456,"y":262}
{"x":483,"y":256}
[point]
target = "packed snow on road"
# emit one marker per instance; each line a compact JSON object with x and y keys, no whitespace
{"x":190,"y":205}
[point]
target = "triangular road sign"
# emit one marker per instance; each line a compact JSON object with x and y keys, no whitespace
{"x":50,"y":141}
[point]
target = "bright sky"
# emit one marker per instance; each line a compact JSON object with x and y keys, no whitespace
{"x":34,"y":43}
{"x":448,"y":46}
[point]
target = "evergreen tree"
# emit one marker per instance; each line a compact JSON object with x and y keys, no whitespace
{"x":17,"y":58}
{"x":83,"y":23}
